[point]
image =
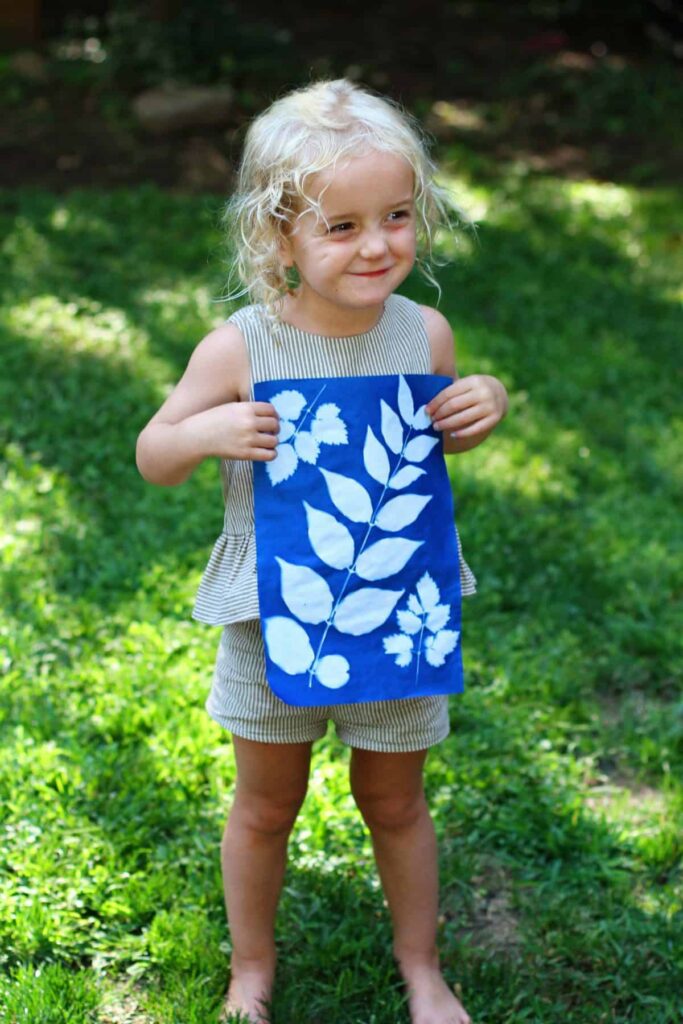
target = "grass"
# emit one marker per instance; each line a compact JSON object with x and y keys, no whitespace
{"x":557,"y":798}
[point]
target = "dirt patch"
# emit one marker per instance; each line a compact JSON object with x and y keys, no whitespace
{"x":490,"y":922}
{"x":121,"y":1005}
{"x":624,"y":797}
{"x":614,"y":790}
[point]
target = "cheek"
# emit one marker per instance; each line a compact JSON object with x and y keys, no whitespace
{"x":406,"y":243}
{"x":328,"y":259}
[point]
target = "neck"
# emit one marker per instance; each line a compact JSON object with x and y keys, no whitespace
{"x":318,"y":317}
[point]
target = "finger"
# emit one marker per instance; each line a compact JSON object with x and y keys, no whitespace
{"x":451,"y":407}
{"x":480,"y":427}
{"x":264,"y":440}
{"x":262,"y":454}
{"x":267,"y":425}
{"x":264,"y":409}
{"x":460,"y":419}
{"x":450,"y":401}
{"x":457,"y":388}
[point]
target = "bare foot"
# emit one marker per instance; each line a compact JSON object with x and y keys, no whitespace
{"x":430,"y":999}
{"x":248,"y":995}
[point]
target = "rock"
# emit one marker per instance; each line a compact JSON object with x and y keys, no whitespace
{"x":204,"y":167}
{"x":29,"y":65}
{"x":171,"y":108}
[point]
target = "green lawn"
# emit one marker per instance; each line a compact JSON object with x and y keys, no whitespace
{"x":558,"y":797}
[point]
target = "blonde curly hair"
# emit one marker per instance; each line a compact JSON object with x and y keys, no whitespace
{"x":305,"y":132}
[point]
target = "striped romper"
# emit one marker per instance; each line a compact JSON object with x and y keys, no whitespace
{"x":240,"y":698}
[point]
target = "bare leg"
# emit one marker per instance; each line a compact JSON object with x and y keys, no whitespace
{"x":271,"y":785}
{"x":388,"y":790}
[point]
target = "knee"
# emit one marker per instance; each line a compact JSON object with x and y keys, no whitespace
{"x":391,"y":812}
{"x":267,"y":816}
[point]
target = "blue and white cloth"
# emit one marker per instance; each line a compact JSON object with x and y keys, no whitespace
{"x":356,"y":549}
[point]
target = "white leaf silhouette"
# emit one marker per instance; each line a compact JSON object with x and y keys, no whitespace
{"x":401,"y":511}
{"x":288,"y":404}
{"x":365,"y":610}
{"x":438,"y":617}
{"x":375,"y":458}
{"x":400,"y":645}
{"x":327,"y":428}
{"x":422,"y":419}
{"x":408,"y":622}
{"x":288,"y":645}
{"x":331,"y":541}
{"x":419,"y":448}
{"x":350,"y":497}
{"x":392,"y":431}
{"x":405,"y":477}
{"x":283,"y":465}
{"x":405,"y":401}
{"x":327,"y":411}
{"x":428,"y":592}
{"x":385,"y":558}
{"x":286,"y":431}
{"x":329,"y":432}
{"x":306,"y":447}
{"x":305,"y":593}
{"x":332,"y":671}
{"x":414,"y":605}
{"x":438,"y":647}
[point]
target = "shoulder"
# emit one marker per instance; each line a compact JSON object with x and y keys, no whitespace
{"x":222,"y":356}
{"x":441,"y":340}
{"x":224,"y":341}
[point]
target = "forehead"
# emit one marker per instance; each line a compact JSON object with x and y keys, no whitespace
{"x":378,"y":176}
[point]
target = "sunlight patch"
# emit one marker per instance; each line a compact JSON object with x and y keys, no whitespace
{"x":475,"y":202}
{"x":81,"y":325}
{"x":513,"y":468}
{"x":605,"y":201}
{"x":199,"y":300}
{"x":28,"y":515}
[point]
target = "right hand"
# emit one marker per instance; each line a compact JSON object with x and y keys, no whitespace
{"x":240,"y":430}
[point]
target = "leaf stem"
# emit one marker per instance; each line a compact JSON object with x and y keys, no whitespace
{"x":419,"y":649}
{"x":351,"y":570}
{"x":307,"y":411}
{"x":329,"y":622}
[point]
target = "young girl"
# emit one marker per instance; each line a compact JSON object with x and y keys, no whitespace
{"x":337,"y":192}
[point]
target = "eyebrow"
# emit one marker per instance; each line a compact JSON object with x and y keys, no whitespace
{"x":350,"y":216}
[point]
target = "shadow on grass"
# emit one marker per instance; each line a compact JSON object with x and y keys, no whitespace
{"x":586,"y":947}
{"x":580,"y":334}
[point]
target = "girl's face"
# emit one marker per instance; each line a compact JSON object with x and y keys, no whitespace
{"x":363,"y":247}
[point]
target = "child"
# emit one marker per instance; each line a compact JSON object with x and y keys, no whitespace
{"x":336,"y":191}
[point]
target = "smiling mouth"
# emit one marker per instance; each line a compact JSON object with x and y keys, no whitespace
{"x":372,"y":273}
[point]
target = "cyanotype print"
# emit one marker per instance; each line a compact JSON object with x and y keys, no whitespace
{"x":357,"y":560}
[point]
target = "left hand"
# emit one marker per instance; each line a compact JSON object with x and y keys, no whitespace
{"x":469,"y":406}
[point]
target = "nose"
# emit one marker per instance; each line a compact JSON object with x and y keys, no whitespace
{"x":373,"y":244}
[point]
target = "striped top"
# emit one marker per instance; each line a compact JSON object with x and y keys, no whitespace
{"x":398,"y":343}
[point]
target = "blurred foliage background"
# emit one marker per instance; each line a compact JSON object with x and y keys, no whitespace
{"x":558,"y":797}
{"x":585,"y":89}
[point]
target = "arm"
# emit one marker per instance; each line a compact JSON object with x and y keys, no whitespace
{"x":471,"y":406}
{"x":208,"y":413}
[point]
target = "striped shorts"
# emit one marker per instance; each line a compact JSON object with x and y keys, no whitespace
{"x":242,"y":701}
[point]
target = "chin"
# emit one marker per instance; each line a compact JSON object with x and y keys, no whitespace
{"x":371,"y":298}
{"x":380,"y":286}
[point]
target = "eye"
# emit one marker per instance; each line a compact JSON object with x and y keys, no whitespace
{"x":399,"y":215}
{"x":339,"y":229}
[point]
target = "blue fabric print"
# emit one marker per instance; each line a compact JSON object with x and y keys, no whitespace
{"x":357,"y":559}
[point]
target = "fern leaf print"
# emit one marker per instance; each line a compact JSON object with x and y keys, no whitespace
{"x":357,"y":556}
